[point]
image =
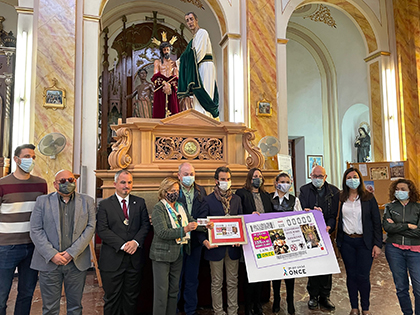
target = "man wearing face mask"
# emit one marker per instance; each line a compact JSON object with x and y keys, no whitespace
{"x":191,"y":196}
{"x":321,"y":196}
{"x":18,"y":192}
{"x":221,"y":202}
{"x":62,"y":225}
{"x":123,"y":224}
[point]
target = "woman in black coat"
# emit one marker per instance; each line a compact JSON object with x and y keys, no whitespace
{"x":359,"y":237}
{"x":254,"y":200}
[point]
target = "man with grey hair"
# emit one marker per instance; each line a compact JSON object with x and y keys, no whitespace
{"x":62,"y":226}
{"x":191,"y":196}
{"x":123,"y":224}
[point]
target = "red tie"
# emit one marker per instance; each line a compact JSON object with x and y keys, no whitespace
{"x":125,"y":210}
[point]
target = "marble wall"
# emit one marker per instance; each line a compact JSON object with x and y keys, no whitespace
{"x":261,"y":44}
{"x":407,"y":33}
{"x":55,"y":59}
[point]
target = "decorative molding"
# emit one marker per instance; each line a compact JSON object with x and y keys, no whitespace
{"x":93,"y":18}
{"x":283,"y":41}
{"x":191,"y":148}
{"x":119,"y":158}
{"x":229,"y":36}
{"x":376,"y":55}
{"x":255,"y":158}
{"x":197,"y":3}
{"x":323,"y":15}
{"x":23,"y":10}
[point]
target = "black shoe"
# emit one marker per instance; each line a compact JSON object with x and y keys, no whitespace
{"x":258,"y":309}
{"x":326,"y":303}
{"x":291,"y":309}
{"x":313,"y":303}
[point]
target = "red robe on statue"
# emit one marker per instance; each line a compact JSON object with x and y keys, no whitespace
{"x":159,"y":98}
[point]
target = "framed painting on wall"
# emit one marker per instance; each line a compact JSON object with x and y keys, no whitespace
{"x":312,"y":161}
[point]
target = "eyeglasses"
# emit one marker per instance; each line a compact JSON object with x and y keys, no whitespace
{"x":63,"y":180}
{"x":317,"y":176}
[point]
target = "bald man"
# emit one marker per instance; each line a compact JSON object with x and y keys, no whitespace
{"x":322,"y":196}
{"x":191,"y":196}
{"x":62,"y":225}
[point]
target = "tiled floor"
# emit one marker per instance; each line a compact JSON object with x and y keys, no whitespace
{"x":383,"y":298}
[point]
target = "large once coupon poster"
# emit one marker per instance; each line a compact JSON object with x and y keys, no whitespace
{"x":288,"y":245}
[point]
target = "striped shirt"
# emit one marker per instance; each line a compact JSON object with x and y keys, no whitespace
{"x":17,"y":200}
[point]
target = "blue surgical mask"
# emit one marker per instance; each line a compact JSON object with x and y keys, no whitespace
{"x":353,"y":183}
{"x":188,"y":180}
{"x":256,"y":182}
{"x":318,"y":182}
{"x":401,"y":194}
{"x":26,"y":164}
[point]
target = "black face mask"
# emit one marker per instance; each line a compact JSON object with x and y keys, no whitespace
{"x":67,"y":188}
{"x":256,"y":182}
{"x":172,"y":197}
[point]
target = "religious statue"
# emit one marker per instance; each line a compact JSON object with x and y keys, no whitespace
{"x":165,"y":79}
{"x":362,"y":145}
{"x":198,"y":55}
{"x":142,"y":105}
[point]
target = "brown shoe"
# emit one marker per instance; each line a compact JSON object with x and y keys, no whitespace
{"x":366,"y":313}
{"x":354,"y":311}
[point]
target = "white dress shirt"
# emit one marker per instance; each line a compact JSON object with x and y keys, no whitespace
{"x":352,"y":217}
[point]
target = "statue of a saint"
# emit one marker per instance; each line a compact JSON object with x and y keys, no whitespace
{"x":197,"y":76}
{"x":165,"y":79}
{"x":142,"y":104}
{"x":362,"y":145}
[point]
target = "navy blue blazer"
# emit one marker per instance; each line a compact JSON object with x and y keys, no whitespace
{"x":371,"y":220}
{"x":213,"y":207}
{"x":248,"y":202}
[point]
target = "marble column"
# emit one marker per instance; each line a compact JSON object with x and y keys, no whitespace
{"x":56,"y":49}
{"x":407,"y":33}
{"x":261,"y":44}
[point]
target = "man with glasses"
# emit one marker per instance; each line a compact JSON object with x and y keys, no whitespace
{"x":322,"y":196}
{"x":62,"y":225}
{"x":18,"y":192}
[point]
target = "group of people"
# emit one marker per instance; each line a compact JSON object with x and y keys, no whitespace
{"x":190,"y":82}
{"x":47,"y":236}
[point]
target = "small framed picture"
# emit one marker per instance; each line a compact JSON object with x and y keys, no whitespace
{"x":264,"y":108}
{"x":54,"y":97}
{"x":314,"y":160}
{"x":227,"y":230}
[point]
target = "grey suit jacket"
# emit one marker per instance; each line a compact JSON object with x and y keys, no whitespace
{"x":46,"y":233}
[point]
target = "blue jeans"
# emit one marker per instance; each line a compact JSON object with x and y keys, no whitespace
{"x":189,"y":276}
{"x":400,"y":261}
{"x":12,"y":257}
{"x":358,"y":260}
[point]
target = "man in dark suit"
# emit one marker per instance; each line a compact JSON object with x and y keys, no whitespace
{"x":324,"y":197}
{"x":191,"y":196}
{"x":123,"y":224}
{"x":222,"y":202}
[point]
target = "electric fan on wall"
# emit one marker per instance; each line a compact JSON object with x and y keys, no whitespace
{"x":52,"y":144}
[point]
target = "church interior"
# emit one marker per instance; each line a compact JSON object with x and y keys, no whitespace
{"x":300,"y":83}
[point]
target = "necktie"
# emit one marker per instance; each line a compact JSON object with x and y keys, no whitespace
{"x":125,"y":210}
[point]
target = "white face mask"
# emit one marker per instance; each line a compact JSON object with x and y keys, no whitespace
{"x":224,"y":185}
{"x":26,"y":164}
{"x":284,"y":187}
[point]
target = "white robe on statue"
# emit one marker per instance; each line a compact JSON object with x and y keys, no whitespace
{"x":207,"y":70}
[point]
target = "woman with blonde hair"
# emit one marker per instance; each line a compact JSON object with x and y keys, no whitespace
{"x":172,"y":225}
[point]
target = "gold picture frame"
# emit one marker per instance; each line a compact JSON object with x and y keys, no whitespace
{"x":54,"y":97}
{"x":264,"y":108}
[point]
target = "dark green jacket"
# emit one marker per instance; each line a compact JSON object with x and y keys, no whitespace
{"x":399,"y":232}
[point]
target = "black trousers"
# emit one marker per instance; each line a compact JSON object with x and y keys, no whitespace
{"x":290,"y":288}
{"x":319,"y":286}
{"x":122,"y":288}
